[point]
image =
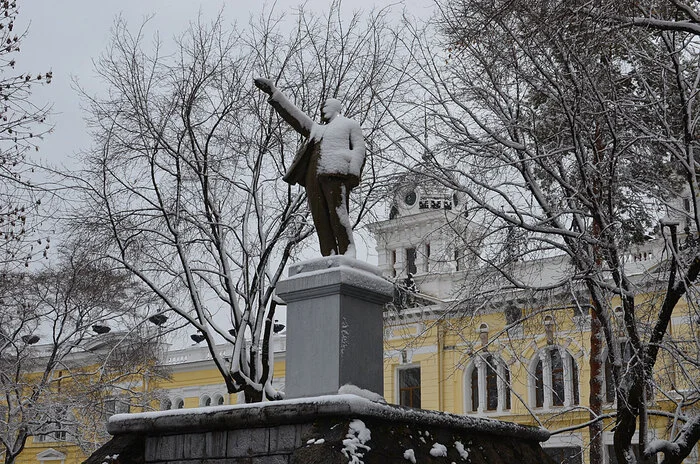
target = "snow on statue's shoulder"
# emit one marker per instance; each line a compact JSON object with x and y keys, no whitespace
{"x":340,"y":154}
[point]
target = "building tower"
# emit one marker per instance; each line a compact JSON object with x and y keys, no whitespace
{"x":426,"y":234}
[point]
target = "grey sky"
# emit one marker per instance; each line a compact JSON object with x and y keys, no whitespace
{"x":65,"y":36}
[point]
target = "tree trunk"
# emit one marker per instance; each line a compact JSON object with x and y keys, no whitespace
{"x":595,"y":430}
{"x":628,"y":408}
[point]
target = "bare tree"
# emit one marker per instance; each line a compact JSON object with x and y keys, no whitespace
{"x":581,"y":137}
{"x":22,"y":125}
{"x":59,"y":363}
{"x":660,"y":15}
{"x":184,"y":187}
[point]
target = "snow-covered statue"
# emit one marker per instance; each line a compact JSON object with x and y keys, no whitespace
{"x":328,"y":165}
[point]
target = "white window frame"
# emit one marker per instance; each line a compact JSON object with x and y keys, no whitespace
{"x":51,"y":456}
{"x":479,"y":364}
{"x":609,"y":440}
{"x":397,"y":387}
{"x":568,"y":363}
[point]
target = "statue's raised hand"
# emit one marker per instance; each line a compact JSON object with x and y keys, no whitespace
{"x":266,"y":85}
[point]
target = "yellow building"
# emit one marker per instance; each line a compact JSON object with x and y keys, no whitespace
{"x":193,"y":381}
{"x":442,"y":354}
{"x":101,"y":375}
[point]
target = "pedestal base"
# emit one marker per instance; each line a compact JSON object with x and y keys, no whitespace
{"x":334,"y":326}
{"x":334,"y":429}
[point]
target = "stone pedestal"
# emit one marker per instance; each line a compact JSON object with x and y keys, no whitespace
{"x":334,"y":326}
{"x":334,"y":429}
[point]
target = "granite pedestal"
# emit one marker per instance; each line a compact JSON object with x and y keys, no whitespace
{"x":334,"y":326}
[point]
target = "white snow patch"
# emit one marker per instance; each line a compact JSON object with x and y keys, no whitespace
{"x":463,"y":452}
{"x":352,"y":403}
{"x":344,"y":336}
{"x":354,"y":447}
{"x":350,"y":389}
{"x":353,"y":276}
{"x":409,"y":455}
{"x":657,"y":446}
{"x":438,"y":450}
{"x":316,"y":441}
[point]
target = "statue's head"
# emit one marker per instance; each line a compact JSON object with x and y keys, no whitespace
{"x":330,"y":109}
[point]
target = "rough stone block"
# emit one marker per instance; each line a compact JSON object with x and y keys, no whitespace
{"x":150,"y":449}
{"x":167,"y":448}
{"x":272,"y":459}
{"x":303,"y":433}
{"x":284,"y":438}
{"x":248,"y":442}
{"x":215,"y":443}
{"x":193,"y":446}
{"x":199,"y":461}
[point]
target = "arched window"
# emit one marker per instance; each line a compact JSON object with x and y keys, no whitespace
{"x":488,"y":382}
{"x":555,"y":379}
{"x":205,"y":400}
{"x":179,"y":403}
{"x":218,"y":400}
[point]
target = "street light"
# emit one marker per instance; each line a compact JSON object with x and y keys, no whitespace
{"x":100,"y":329}
{"x":30,"y":339}
{"x":158,"y":319}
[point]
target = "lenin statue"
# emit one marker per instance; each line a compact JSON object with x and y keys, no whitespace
{"x":328,"y":165}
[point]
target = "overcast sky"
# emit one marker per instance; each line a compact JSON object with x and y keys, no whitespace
{"x":66,"y":35}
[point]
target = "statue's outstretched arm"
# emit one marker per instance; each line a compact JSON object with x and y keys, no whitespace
{"x":289,"y":112}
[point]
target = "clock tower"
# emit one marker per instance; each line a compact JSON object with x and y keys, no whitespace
{"x":426,"y":234}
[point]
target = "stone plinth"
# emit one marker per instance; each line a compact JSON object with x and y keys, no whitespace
{"x":334,"y":429}
{"x":334,"y":326}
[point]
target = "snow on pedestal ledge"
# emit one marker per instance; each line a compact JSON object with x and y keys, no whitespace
{"x":331,"y":271}
{"x":303,"y":409}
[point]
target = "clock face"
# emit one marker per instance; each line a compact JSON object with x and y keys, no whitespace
{"x":410,"y":198}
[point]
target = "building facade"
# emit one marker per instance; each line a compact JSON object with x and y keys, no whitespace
{"x":508,"y":356}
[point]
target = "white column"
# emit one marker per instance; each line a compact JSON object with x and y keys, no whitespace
{"x":546,"y":378}
{"x":420,"y":259}
{"x":501,"y":382}
{"x":481,"y":369}
{"x":400,"y":262}
{"x":568,"y":377}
